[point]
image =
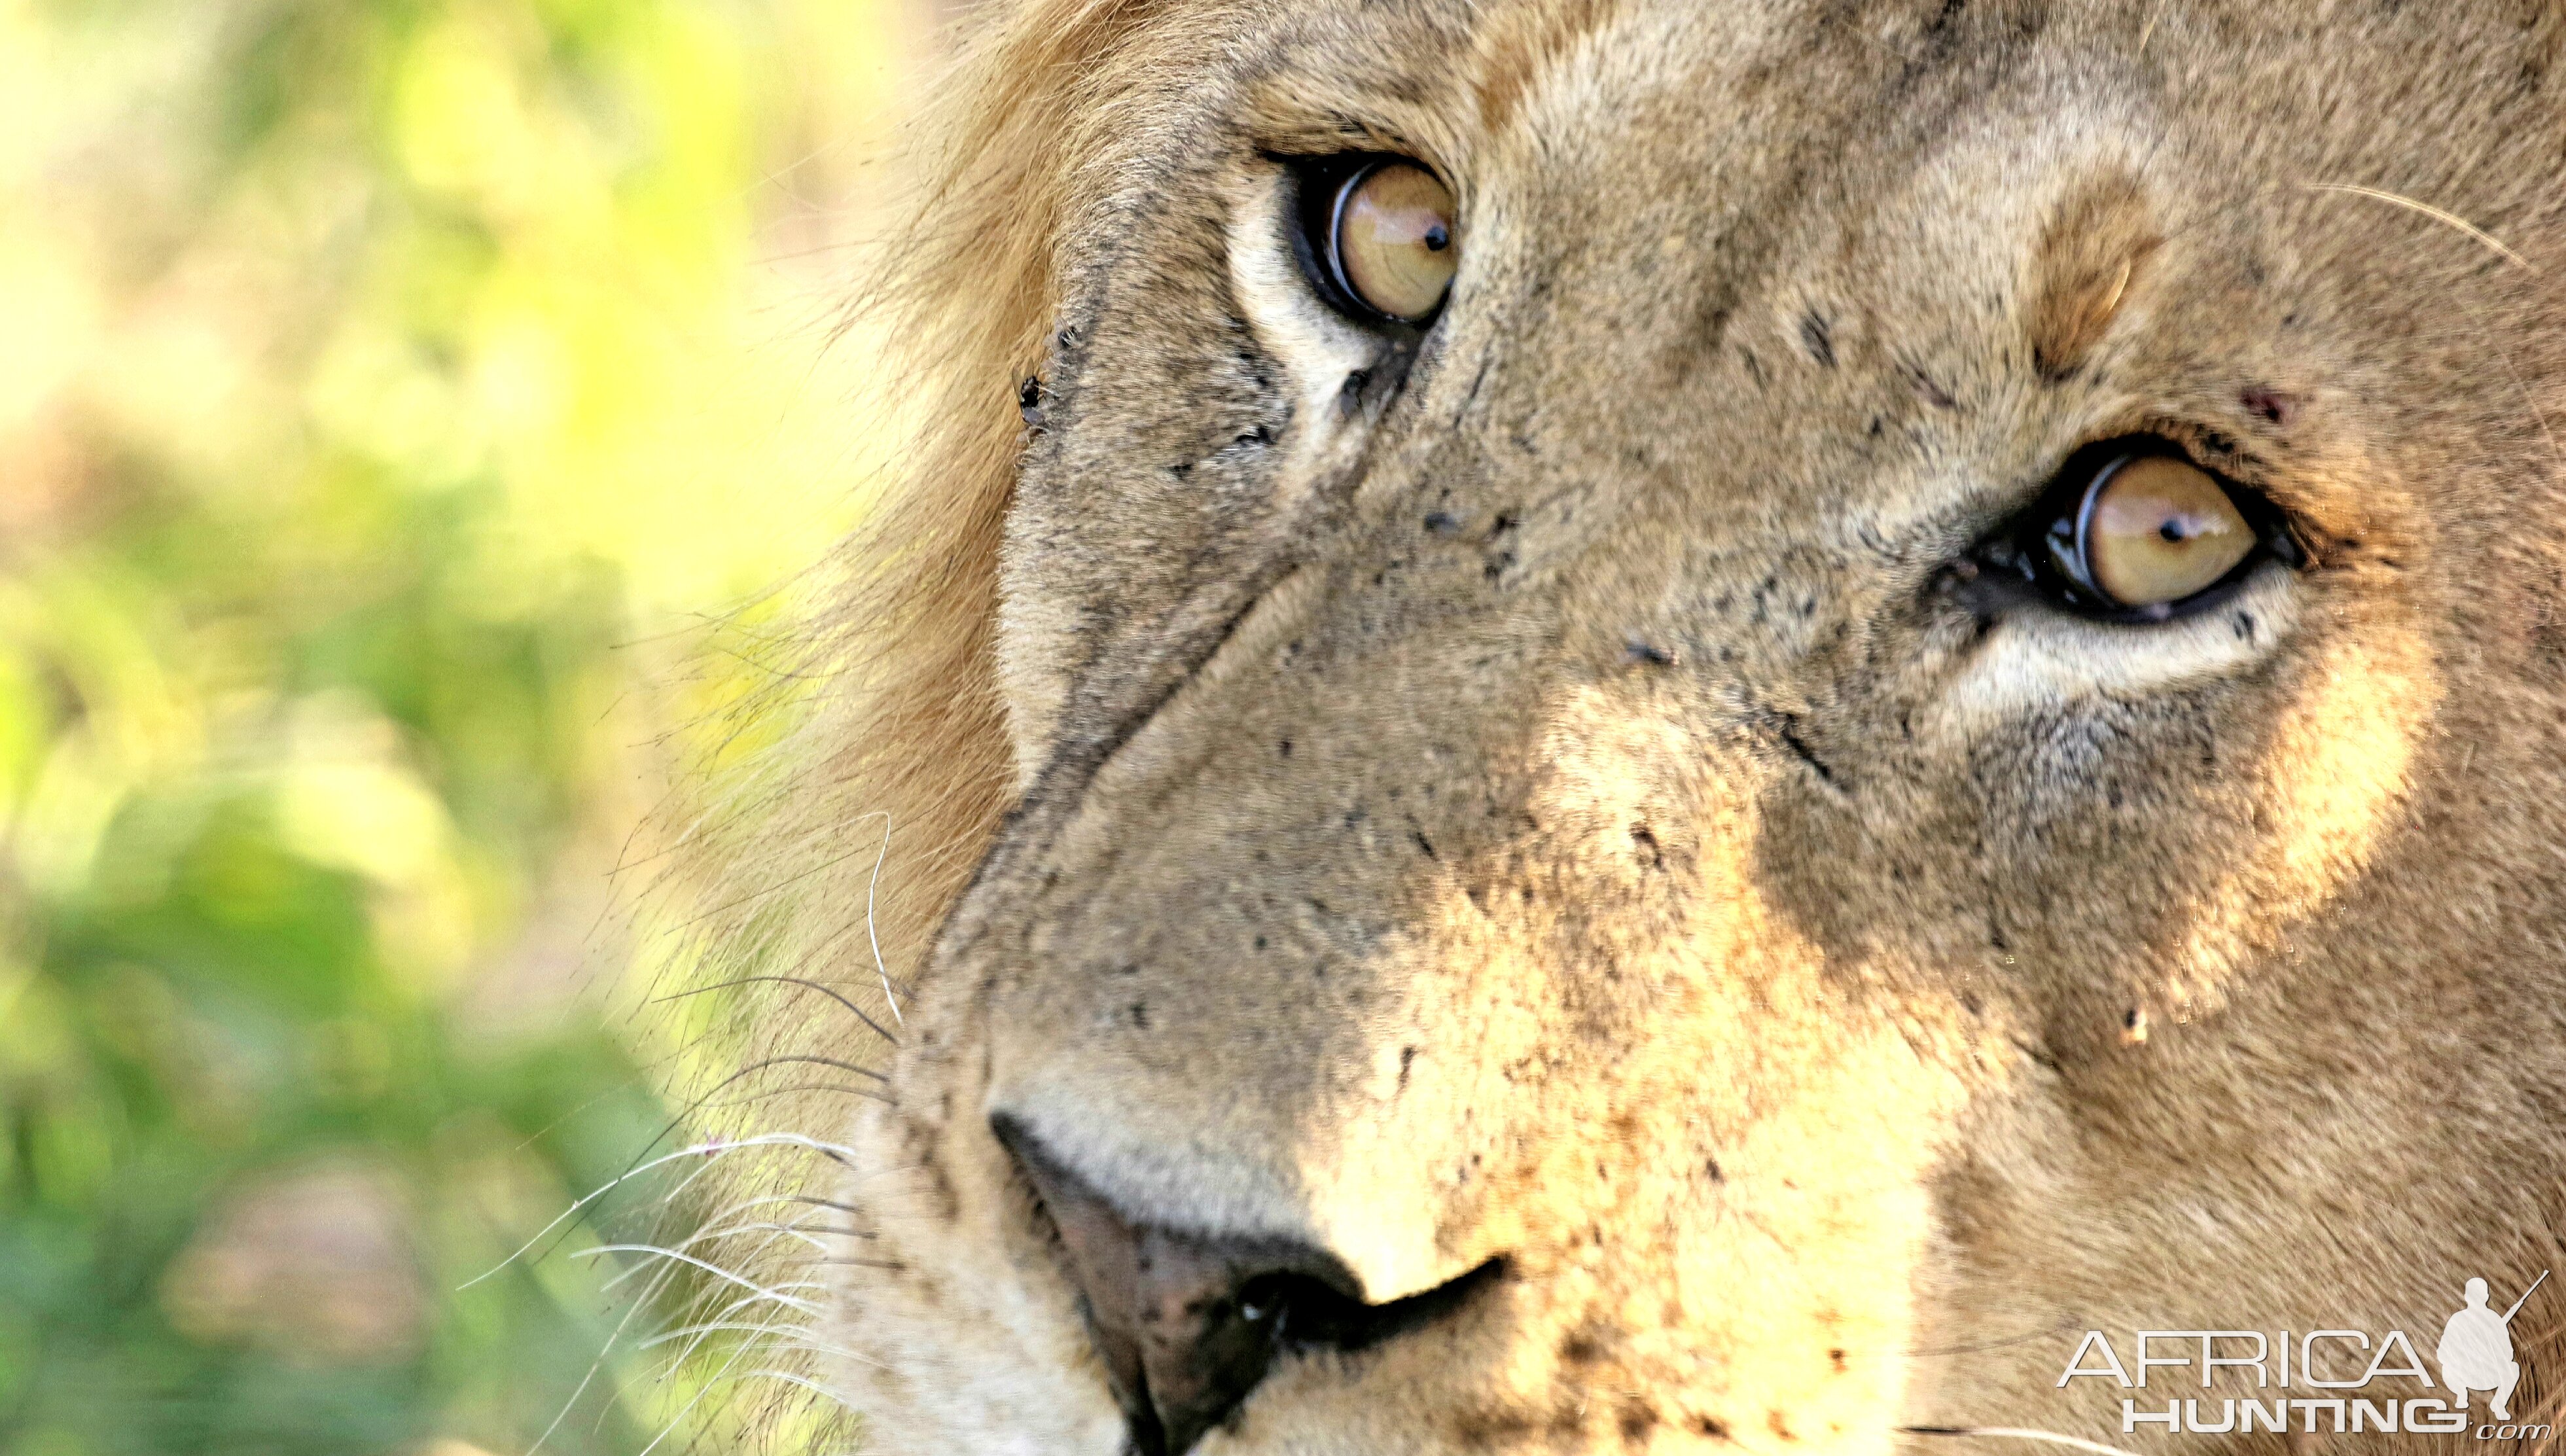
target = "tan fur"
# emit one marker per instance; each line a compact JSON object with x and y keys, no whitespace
{"x":1531,"y":802}
{"x":2089,"y":255}
{"x":1518,"y":44}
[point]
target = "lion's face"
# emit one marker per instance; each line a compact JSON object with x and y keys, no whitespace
{"x":1591,"y":821}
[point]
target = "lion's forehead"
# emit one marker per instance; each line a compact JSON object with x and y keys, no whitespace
{"x":1674,"y":193}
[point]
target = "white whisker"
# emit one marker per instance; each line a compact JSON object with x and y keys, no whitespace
{"x":720,"y":1148}
{"x":807,"y":1383}
{"x":791,"y":1338}
{"x":881,"y":967}
{"x":2445,"y":218}
{"x":804,"y":1306}
{"x":708,"y":1235}
{"x":711,"y":1151}
{"x":723,"y":1317}
{"x":780,"y":1231}
{"x":611,"y":1284}
{"x":717,"y":1326}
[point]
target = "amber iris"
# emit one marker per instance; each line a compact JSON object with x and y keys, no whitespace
{"x":1393,"y":241}
{"x":2154,"y":530}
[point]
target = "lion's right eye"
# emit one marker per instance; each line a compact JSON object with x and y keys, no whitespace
{"x":1384,"y":238}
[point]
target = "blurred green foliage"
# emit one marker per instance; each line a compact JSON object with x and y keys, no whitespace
{"x":383,"y":385}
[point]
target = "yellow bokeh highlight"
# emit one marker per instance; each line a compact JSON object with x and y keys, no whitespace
{"x":409,"y":412}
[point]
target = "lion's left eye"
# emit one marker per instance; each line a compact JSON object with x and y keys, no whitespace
{"x":2151,"y":530}
{"x":2134,"y":532}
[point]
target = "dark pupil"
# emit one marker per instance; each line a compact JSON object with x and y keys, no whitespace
{"x":2171,"y":531}
{"x":1438,"y":238}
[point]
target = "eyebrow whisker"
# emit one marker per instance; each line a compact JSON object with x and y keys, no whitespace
{"x":2443,"y":216}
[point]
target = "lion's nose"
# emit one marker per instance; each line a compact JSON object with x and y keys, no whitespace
{"x":1187,"y":1324}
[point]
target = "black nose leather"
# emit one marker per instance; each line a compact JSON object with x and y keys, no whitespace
{"x":1186,"y":1324}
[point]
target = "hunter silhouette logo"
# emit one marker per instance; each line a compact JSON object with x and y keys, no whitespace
{"x":2316,"y":1381}
{"x":2476,"y":1348}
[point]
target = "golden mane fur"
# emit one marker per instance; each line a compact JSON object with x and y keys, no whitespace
{"x":899,"y":624}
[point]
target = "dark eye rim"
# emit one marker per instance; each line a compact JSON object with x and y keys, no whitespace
{"x":2018,"y":555}
{"x":1321,"y":188}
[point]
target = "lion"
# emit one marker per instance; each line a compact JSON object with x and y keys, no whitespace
{"x":1652,"y":726}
